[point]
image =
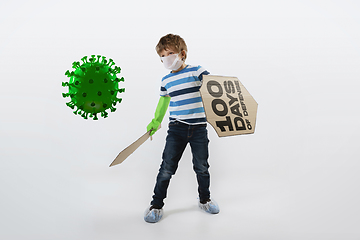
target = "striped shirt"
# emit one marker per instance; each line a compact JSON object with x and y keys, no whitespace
{"x":183,"y":88}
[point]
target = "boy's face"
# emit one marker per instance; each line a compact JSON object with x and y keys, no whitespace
{"x":169,"y":51}
{"x":172,"y":62}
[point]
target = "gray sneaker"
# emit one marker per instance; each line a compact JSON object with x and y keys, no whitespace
{"x":153,"y":215}
{"x":209,"y":206}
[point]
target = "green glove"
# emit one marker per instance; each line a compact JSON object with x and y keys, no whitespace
{"x":159,"y":114}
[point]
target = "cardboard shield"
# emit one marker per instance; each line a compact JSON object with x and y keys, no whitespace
{"x":229,"y":107}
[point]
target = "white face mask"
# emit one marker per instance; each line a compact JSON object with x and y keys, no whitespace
{"x":172,"y":62}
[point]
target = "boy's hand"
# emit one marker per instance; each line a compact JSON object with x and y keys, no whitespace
{"x":153,"y":126}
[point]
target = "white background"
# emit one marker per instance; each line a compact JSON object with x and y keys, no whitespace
{"x":297,"y":177}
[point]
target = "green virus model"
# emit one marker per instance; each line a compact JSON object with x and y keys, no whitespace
{"x":93,"y":87}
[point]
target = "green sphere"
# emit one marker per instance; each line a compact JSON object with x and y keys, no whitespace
{"x":93,"y":87}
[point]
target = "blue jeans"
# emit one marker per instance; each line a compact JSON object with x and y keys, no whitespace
{"x":179,"y":134}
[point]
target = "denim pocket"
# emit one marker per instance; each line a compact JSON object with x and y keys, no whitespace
{"x":176,"y":123}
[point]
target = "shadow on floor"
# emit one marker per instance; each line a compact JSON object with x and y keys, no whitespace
{"x":180,"y":210}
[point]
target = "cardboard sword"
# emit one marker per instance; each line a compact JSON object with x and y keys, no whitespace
{"x":130,"y":149}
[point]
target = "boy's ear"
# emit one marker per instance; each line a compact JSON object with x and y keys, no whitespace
{"x":183,"y":54}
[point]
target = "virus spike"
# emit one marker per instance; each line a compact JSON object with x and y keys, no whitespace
{"x":117,"y":70}
{"x":66,"y":95}
{"x":85,"y":115}
{"x":104,"y":114}
{"x":98,"y":56}
{"x":110,"y":63}
{"x":104,"y":61}
{"x":77,"y":111}
{"x":67,"y":73}
{"x":70,"y":74}
{"x":119,"y":79}
{"x":76,"y":65}
{"x":71,"y":105}
{"x":110,"y":71}
{"x":75,"y":75}
{"x":74,"y":86}
{"x":64,"y":84}
{"x":118,"y":100}
{"x":92,"y":60}
{"x":112,"y":109}
{"x":84,"y":59}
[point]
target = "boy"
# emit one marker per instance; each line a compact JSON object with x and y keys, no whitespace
{"x":187,"y":124}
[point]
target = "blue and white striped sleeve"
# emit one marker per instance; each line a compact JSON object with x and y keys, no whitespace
{"x":202,"y":71}
{"x":163,"y":91}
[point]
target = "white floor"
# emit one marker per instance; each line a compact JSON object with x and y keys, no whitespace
{"x":263,"y":194}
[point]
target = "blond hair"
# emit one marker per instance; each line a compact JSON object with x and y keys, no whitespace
{"x":173,"y":41}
